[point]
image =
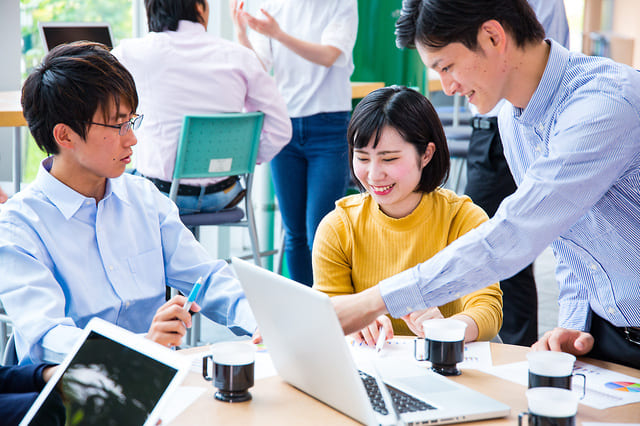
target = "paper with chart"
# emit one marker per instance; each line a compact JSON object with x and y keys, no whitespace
{"x":477,"y":355}
{"x":605,"y":388}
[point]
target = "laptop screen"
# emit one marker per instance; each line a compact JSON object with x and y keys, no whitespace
{"x":106,"y":383}
{"x":55,"y":33}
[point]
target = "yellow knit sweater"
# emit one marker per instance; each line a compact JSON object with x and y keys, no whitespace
{"x":357,"y":245}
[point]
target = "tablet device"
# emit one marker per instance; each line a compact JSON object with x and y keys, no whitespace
{"x":110,"y":377}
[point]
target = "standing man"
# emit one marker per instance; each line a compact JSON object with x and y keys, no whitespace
{"x":489,"y":181}
{"x":571,"y":134}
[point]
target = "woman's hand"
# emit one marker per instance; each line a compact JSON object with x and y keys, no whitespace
{"x":369,"y":334}
{"x":238,"y":16}
{"x":268,"y":26}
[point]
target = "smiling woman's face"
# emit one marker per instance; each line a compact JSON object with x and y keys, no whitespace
{"x":391,"y":171}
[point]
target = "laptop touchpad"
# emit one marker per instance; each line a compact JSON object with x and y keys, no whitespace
{"x":423,"y":384}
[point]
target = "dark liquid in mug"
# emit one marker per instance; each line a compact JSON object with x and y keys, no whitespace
{"x":446,"y":353}
{"x":537,"y":420}
{"x":233,"y":378}
{"x":537,"y":381}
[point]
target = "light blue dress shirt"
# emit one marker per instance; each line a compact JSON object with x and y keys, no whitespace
{"x":64,"y":260}
{"x":574,"y":152}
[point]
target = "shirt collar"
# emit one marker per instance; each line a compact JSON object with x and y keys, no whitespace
{"x":66,"y":199}
{"x":545,"y":93}
{"x":190,"y":27}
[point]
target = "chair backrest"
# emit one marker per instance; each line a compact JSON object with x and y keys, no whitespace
{"x":218,"y":145}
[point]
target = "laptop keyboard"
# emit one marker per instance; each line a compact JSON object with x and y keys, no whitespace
{"x":403,"y":402}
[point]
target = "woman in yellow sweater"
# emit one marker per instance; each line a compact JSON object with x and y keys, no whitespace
{"x":399,"y":156}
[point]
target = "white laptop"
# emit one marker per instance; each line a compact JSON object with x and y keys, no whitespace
{"x":55,"y":33}
{"x":309,"y":350}
{"x":111,"y":376}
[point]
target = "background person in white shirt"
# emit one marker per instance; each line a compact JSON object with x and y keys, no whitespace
{"x":308,"y":44}
{"x":181,"y":69}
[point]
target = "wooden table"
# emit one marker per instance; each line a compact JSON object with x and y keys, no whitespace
{"x":11,"y":116}
{"x":435,"y":85}
{"x":360,"y":89}
{"x":275,"y":402}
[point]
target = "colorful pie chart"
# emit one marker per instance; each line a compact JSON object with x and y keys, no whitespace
{"x":624,"y":386}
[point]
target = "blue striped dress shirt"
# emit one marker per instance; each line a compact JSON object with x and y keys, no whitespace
{"x":65,"y":259}
{"x":574,"y":152}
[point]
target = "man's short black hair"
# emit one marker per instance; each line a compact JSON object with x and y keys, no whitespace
{"x":437,"y":23}
{"x":413,"y":117}
{"x":163,"y":15}
{"x":73,"y":81}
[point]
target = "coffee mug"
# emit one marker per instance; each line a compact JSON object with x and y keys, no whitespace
{"x":233,"y":368}
{"x":550,"y":407}
{"x":552,"y":369}
{"x":443,"y":345}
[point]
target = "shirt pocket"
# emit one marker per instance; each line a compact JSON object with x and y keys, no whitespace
{"x":147,"y":271}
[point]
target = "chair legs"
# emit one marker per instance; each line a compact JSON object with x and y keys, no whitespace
{"x":280,"y":260}
{"x":253,"y":231}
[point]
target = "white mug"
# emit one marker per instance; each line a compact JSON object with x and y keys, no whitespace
{"x":233,"y":365}
{"x":550,"y":407}
{"x":552,"y":369}
{"x":443,"y":345}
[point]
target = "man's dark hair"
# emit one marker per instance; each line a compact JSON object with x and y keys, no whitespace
{"x":437,"y":23}
{"x":73,"y":81}
{"x":413,"y":117}
{"x":163,"y":15}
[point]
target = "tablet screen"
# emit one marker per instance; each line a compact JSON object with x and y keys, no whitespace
{"x":106,"y":383}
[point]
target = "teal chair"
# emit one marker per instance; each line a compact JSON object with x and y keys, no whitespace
{"x":220,"y":145}
{"x":5,"y":325}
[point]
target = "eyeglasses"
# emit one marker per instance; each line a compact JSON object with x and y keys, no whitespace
{"x":123,"y":128}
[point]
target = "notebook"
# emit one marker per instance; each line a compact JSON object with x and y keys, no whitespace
{"x":55,"y":33}
{"x":111,"y":376}
{"x":309,"y":351}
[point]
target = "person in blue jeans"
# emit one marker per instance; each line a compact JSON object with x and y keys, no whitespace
{"x":312,"y":71}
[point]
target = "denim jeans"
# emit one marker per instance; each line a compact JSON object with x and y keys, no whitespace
{"x":204,"y":203}
{"x":309,"y":175}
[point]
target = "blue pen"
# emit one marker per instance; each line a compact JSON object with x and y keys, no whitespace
{"x":193,"y":295}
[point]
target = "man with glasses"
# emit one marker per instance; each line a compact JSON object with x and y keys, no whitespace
{"x":86,"y":239}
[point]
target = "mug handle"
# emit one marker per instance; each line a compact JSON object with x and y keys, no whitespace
{"x":520,"y":416}
{"x":424,"y":356}
{"x":205,"y":367}
{"x":584,"y":384}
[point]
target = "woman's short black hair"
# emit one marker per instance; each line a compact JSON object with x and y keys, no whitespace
{"x":413,"y":117}
{"x":73,"y":81}
{"x":163,"y":15}
{"x":437,"y":23}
